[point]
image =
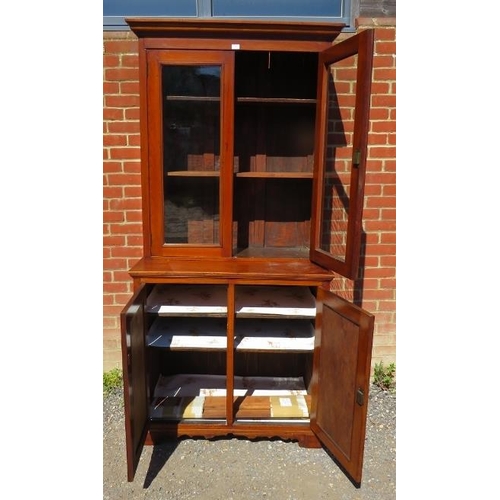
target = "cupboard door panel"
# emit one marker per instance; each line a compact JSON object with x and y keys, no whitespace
{"x":341,"y":376}
{"x":134,"y":377}
{"x":344,"y":86}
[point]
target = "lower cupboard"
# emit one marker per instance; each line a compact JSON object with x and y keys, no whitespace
{"x":246,"y":359}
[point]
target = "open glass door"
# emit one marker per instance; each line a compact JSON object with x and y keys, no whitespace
{"x":134,"y":377}
{"x":342,"y":121}
{"x":341,"y":377}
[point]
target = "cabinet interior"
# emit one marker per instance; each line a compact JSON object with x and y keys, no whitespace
{"x":265,"y":353}
{"x":274,"y":114}
{"x":274,"y":143}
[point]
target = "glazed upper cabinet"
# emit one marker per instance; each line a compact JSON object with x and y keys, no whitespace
{"x":257,"y":149}
{"x":253,"y":140}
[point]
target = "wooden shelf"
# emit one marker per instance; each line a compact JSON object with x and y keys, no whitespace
{"x":192,"y":98}
{"x":192,"y":385}
{"x":188,"y":333}
{"x":188,"y":300}
{"x":193,"y":396}
{"x":274,"y":100}
{"x":275,"y":302}
{"x":256,"y":335}
{"x":194,"y":173}
{"x":243,"y":100}
{"x":276,"y":175}
{"x":249,"y":408}
{"x":290,"y":335}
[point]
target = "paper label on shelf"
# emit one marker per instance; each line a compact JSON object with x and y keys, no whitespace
{"x":291,"y":407}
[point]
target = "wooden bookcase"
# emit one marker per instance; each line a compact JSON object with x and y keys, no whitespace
{"x":253,"y":163}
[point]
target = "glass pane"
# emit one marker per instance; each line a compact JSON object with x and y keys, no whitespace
{"x":278,"y":8}
{"x":191,"y":154}
{"x":339,"y":152}
{"x":149,"y":8}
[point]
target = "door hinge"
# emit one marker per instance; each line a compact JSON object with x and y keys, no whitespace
{"x":360,"y":397}
{"x":356,"y":157}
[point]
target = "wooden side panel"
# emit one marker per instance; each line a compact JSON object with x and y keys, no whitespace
{"x":341,"y":376}
{"x":134,"y":377}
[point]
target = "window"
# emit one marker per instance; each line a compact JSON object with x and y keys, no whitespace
{"x":338,"y":11}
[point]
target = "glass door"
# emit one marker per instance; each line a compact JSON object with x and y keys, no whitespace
{"x":190,"y":118}
{"x":342,"y":122}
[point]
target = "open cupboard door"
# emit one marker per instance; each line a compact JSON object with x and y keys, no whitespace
{"x":341,"y":377}
{"x":342,"y":122}
{"x":134,"y":377}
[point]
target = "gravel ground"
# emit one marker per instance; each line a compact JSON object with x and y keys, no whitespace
{"x":225,"y":469}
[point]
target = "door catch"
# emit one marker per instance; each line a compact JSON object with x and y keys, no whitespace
{"x":360,"y":397}
{"x":356,"y":157}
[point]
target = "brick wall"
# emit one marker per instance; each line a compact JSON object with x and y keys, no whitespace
{"x":122,"y":233}
{"x":122,"y":237}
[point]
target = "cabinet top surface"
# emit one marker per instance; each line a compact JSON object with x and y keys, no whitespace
{"x":172,"y":27}
{"x":300,"y":270}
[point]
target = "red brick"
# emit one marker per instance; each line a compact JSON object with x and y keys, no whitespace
{"x":134,"y":140}
{"x":132,"y":192}
{"x":114,"y":140}
{"x":134,"y":239}
{"x":380,"y":88}
{"x":112,"y":192}
{"x":132,"y":114}
{"x":383,"y":126}
{"x":112,"y":166}
{"x":121,"y":74}
{"x":378,"y":139}
{"x":384,"y":74}
{"x":385,"y":47}
{"x":110,"y":88}
{"x":110,"y":60}
{"x":379,"y":114}
{"x":113,"y":217}
{"x":381,"y":202}
{"x":128,"y":127}
{"x":133,"y":216}
{"x":123,"y":179}
{"x":132,"y":167}
{"x":114,"y":240}
{"x":130,"y":61}
{"x":112,"y":114}
{"x":123,"y":276}
{"x":126,"y":204}
{"x":388,"y":261}
{"x":387,"y":34}
{"x":121,"y":47}
{"x":381,"y":152}
{"x":384,"y":61}
{"x":389,"y":190}
{"x":129,"y":88}
{"x":125,"y":153}
{"x":388,"y":214}
{"x":127,"y":228}
{"x":122,"y":101}
{"x":110,"y":322}
{"x":114,"y":263}
{"x":115,"y":288}
{"x":126,"y":252}
{"x":384,"y":101}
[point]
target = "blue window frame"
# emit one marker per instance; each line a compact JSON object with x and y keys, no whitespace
{"x":338,"y":11}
